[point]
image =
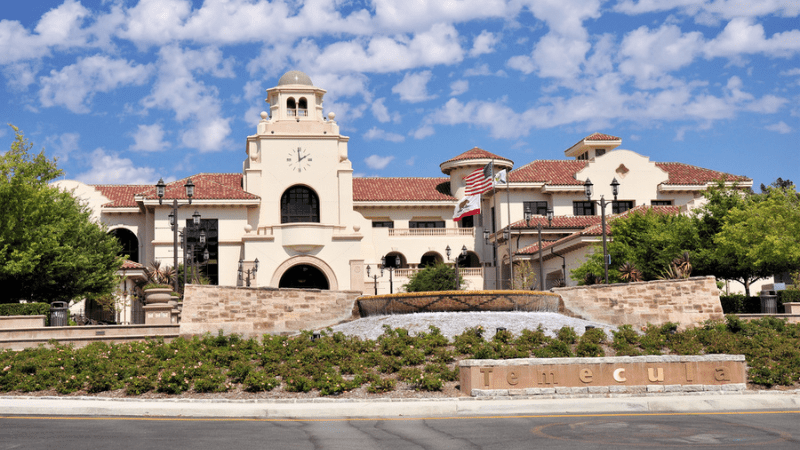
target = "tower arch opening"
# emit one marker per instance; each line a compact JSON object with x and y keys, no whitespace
{"x":129,"y":242}
{"x":304,"y":276}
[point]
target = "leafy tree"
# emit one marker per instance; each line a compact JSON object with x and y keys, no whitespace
{"x":438,"y":277}
{"x":762,"y":234}
{"x":49,"y":248}
{"x":645,"y":241}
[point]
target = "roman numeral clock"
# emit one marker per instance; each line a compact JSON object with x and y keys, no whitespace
{"x":299,"y":159}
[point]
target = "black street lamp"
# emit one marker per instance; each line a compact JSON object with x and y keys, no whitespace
{"x":375,"y":279}
{"x":250,"y":272}
{"x":457,"y":283}
{"x":160,"y":190}
{"x":587,"y":186}
{"x":391,"y":270}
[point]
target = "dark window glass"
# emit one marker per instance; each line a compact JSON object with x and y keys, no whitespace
{"x":538,"y":208}
{"x":382,"y":224}
{"x":619,"y":207}
{"x":583,"y":208}
{"x":661,"y":203}
{"x":195,"y":248}
{"x":426,"y":224}
{"x":299,"y":204}
{"x":599,"y":152}
{"x":467,"y":222}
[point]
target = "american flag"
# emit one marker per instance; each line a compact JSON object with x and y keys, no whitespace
{"x":479,"y":181}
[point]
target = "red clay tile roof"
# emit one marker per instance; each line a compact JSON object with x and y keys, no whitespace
{"x":559,"y":222}
{"x":476,"y":153}
{"x":553,"y":172}
{"x":401,"y":189}
{"x":121,"y":196}
{"x":600,"y":137}
{"x":128,"y":264}
{"x":685,"y":174}
{"x":207,"y":186}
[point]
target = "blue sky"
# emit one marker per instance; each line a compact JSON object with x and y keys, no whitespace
{"x":127,"y":91}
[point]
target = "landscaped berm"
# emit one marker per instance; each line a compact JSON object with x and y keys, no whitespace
{"x":457,"y":301}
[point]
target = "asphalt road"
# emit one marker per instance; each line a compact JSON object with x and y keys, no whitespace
{"x":768,"y":429}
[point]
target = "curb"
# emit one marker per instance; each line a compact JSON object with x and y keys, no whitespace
{"x":324,"y":408}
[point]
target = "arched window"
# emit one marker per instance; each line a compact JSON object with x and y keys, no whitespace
{"x":302,"y":107}
{"x":299,"y":204}
{"x":130,"y":244}
{"x":291,"y":107}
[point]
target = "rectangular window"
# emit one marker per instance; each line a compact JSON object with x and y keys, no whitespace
{"x":583,"y":156}
{"x":467,"y":222}
{"x":198,"y":240}
{"x":382,"y":224}
{"x":426,"y":224}
{"x":620,"y":206}
{"x":538,"y":208}
{"x":583,"y":208}
{"x":599,"y":152}
{"x":661,"y":202}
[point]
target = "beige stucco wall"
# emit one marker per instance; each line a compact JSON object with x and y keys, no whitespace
{"x":686,"y":302}
{"x":257,"y":311}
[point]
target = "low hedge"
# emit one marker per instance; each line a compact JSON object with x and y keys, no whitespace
{"x":26,"y":309}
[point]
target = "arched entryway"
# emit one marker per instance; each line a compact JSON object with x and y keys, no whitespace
{"x":430,"y":259}
{"x":129,"y":242}
{"x":304,"y":276}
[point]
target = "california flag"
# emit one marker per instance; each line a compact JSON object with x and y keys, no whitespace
{"x":467,"y":206}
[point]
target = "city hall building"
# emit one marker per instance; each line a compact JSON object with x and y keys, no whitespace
{"x":298,"y":210}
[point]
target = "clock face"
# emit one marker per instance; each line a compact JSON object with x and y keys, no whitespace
{"x":299,"y":159}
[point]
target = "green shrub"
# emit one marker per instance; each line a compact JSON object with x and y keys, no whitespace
{"x":212,"y":381}
{"x":259,"y":381}
{"x":740,"y":304}
{"x":299,"y":384}
{"x":625,"y":341}
{"x":589,"y":343}
{"x":567,"y":335}
{"x":381,"y":385}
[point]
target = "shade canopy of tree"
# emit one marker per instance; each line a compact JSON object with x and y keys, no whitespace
{"x":735,"y":235}
{"x":647,"y":240}
{"x":49,"y":248}
{"x":437,"y":277}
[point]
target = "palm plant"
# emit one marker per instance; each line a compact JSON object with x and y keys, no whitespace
{"x":629,"y":272}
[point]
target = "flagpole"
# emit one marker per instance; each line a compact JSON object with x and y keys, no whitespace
{"x":508,"y":209}
{"x":494,"y":243}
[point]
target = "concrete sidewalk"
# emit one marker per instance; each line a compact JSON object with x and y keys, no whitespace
{"x":325,"y":408}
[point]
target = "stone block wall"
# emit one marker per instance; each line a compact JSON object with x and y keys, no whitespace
{"x":686,"y":302}
{"x":256,"y":311}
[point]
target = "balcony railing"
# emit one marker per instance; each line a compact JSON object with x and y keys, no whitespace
{"x":463,"y":271}
{"x":297,"y":112}
{"x":416,"y":232}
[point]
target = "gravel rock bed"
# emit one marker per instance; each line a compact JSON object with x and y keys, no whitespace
{"x":454,"y":323}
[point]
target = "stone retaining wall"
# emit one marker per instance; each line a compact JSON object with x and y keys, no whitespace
{"x":81,"y":336}
{"x":686,"y":302}
{"x":7,"y":322}
{"x":532,"y":376}
{"x":458,"y":301}
{"x":257,"y":311}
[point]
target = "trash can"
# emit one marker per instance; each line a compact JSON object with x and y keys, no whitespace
{"x":769,"y":302}
{"x":59,"y":314}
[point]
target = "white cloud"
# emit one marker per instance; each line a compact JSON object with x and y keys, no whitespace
{"x":74,"y":86}
{"x":380,"y":111}
{"x":377,"y":134}
{"x":381,"y":54}
{"x":21,"y":75}
{"x":780,"y":127}
{"x":423,"y":132}
{"x":149,"y":138}
{"x":790,"y":72}
{"x":707,"y":11}
{"x":458,"y":87}
{"x":109,"y":168}
{"x":649,"y":54}
{"x":565,"y":17}
{"x":191,"y":100}
{"x":58,"y":28}
{"x":414,"y":87}
{"x":560,"y":56}
{"x":523,"y":63}
{"x":376,"y":162}
{"x":63,"y":145}
{"x":482,"y":70}
{"x":484,"y":43}
{"x":421,"y":14}
{"x":742,"y":36}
